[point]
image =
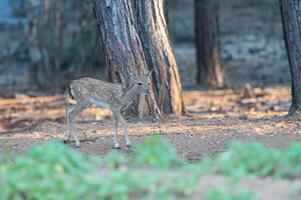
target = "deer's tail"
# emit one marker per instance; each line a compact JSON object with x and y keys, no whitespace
{"x":69,"y":91}
{"x":68,"y":96}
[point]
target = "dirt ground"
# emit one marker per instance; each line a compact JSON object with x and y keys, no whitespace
{"x":213,"y":118}
{"x":253,"y":55}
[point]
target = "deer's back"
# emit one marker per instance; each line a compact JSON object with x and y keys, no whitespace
{"x":89,"y":87}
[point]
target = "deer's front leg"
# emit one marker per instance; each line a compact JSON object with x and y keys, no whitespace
{"x":71,"y":115}
{"x":67,"y":134}
{"x":127,"y":138}
{"x":115,"y":141}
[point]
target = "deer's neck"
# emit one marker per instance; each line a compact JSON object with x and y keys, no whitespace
{"x":131,"y":93}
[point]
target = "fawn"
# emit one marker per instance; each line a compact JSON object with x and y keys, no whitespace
{"x":112,"y":96}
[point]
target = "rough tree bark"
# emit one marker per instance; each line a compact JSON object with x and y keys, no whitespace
{"x":159,"y":54}
{"x":117,"y":21}
{"x":123,"y":49}
{"x":291,"y":20}
{"x":207,"y":43}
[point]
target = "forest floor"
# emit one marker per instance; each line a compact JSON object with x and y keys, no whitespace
{"x":214,"y":117}
{"x":253,"y":55}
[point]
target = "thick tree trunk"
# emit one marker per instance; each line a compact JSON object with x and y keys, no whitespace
{"x":159,"y":55}
{"x":291,"y":12}
{"x":123,"y":49}
{"x":125,"y":55}
{"x":207,"y":43}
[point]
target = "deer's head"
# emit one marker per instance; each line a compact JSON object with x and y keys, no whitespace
{"x":142,"y":82}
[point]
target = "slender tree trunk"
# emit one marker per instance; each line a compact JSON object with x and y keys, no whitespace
{"x":123,"y":49}
{"x":291,"y":19}
{"x":207,"y":43}
{"x":159,"y":55}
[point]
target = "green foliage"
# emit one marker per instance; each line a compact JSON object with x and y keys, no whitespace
{"x":243,"y":159}
{"x":48,"y":167}
{"x":54,"y":171}
{"x":114,"y":159}
{"x":224,"y":194}
{"x":254,"y":159}
{"x":151,"y":151}
{"x":290,"y":163}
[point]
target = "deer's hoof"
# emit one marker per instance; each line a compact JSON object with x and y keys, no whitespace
{"x":128,"y":143}
{"x":116,"y":146}
{"x":65,"y":141}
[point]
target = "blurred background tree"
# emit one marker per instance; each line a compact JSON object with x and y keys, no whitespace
{"x":209,"y":64}
{"x":61,"y":40}
{"x":290,"y":12}
{"x":48,"y":42}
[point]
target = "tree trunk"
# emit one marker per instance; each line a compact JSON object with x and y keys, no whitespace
{"x":125,"y":55}
{"x":123,"y":49}
{"x":159,"y":55}
{"x":291,"y":12}
{"x":207,"y":43}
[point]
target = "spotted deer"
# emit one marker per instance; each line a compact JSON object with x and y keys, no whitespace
{"x":112,"y":96}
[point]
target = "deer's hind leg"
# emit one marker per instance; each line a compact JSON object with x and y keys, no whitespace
{"x":67,"y":134}
{"x":123,"y":122}
{"x":115,"y":140}
{"x":115,"y":119}
{"x":72,"y":112}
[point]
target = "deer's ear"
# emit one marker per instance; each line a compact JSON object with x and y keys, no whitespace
{"x":149,"y":73}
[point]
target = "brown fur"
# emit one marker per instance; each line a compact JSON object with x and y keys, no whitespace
{"x":113,"y":96}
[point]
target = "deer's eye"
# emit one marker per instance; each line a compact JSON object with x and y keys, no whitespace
{"x":139,"y":83}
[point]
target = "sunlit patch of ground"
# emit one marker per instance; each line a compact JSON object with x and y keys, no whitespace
{"x":213,"y":118}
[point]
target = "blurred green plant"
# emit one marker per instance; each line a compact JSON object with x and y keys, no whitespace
{"x":224,"y":194}
{"x":115,"y":159}
{"x":55,"y":171}
{"x":48,"y":167}
{"x":289,"y":165}
{"x":243,"y":159}
{"x":149,"y":156}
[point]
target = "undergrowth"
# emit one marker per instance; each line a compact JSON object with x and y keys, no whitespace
{"x":55,"y":171}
